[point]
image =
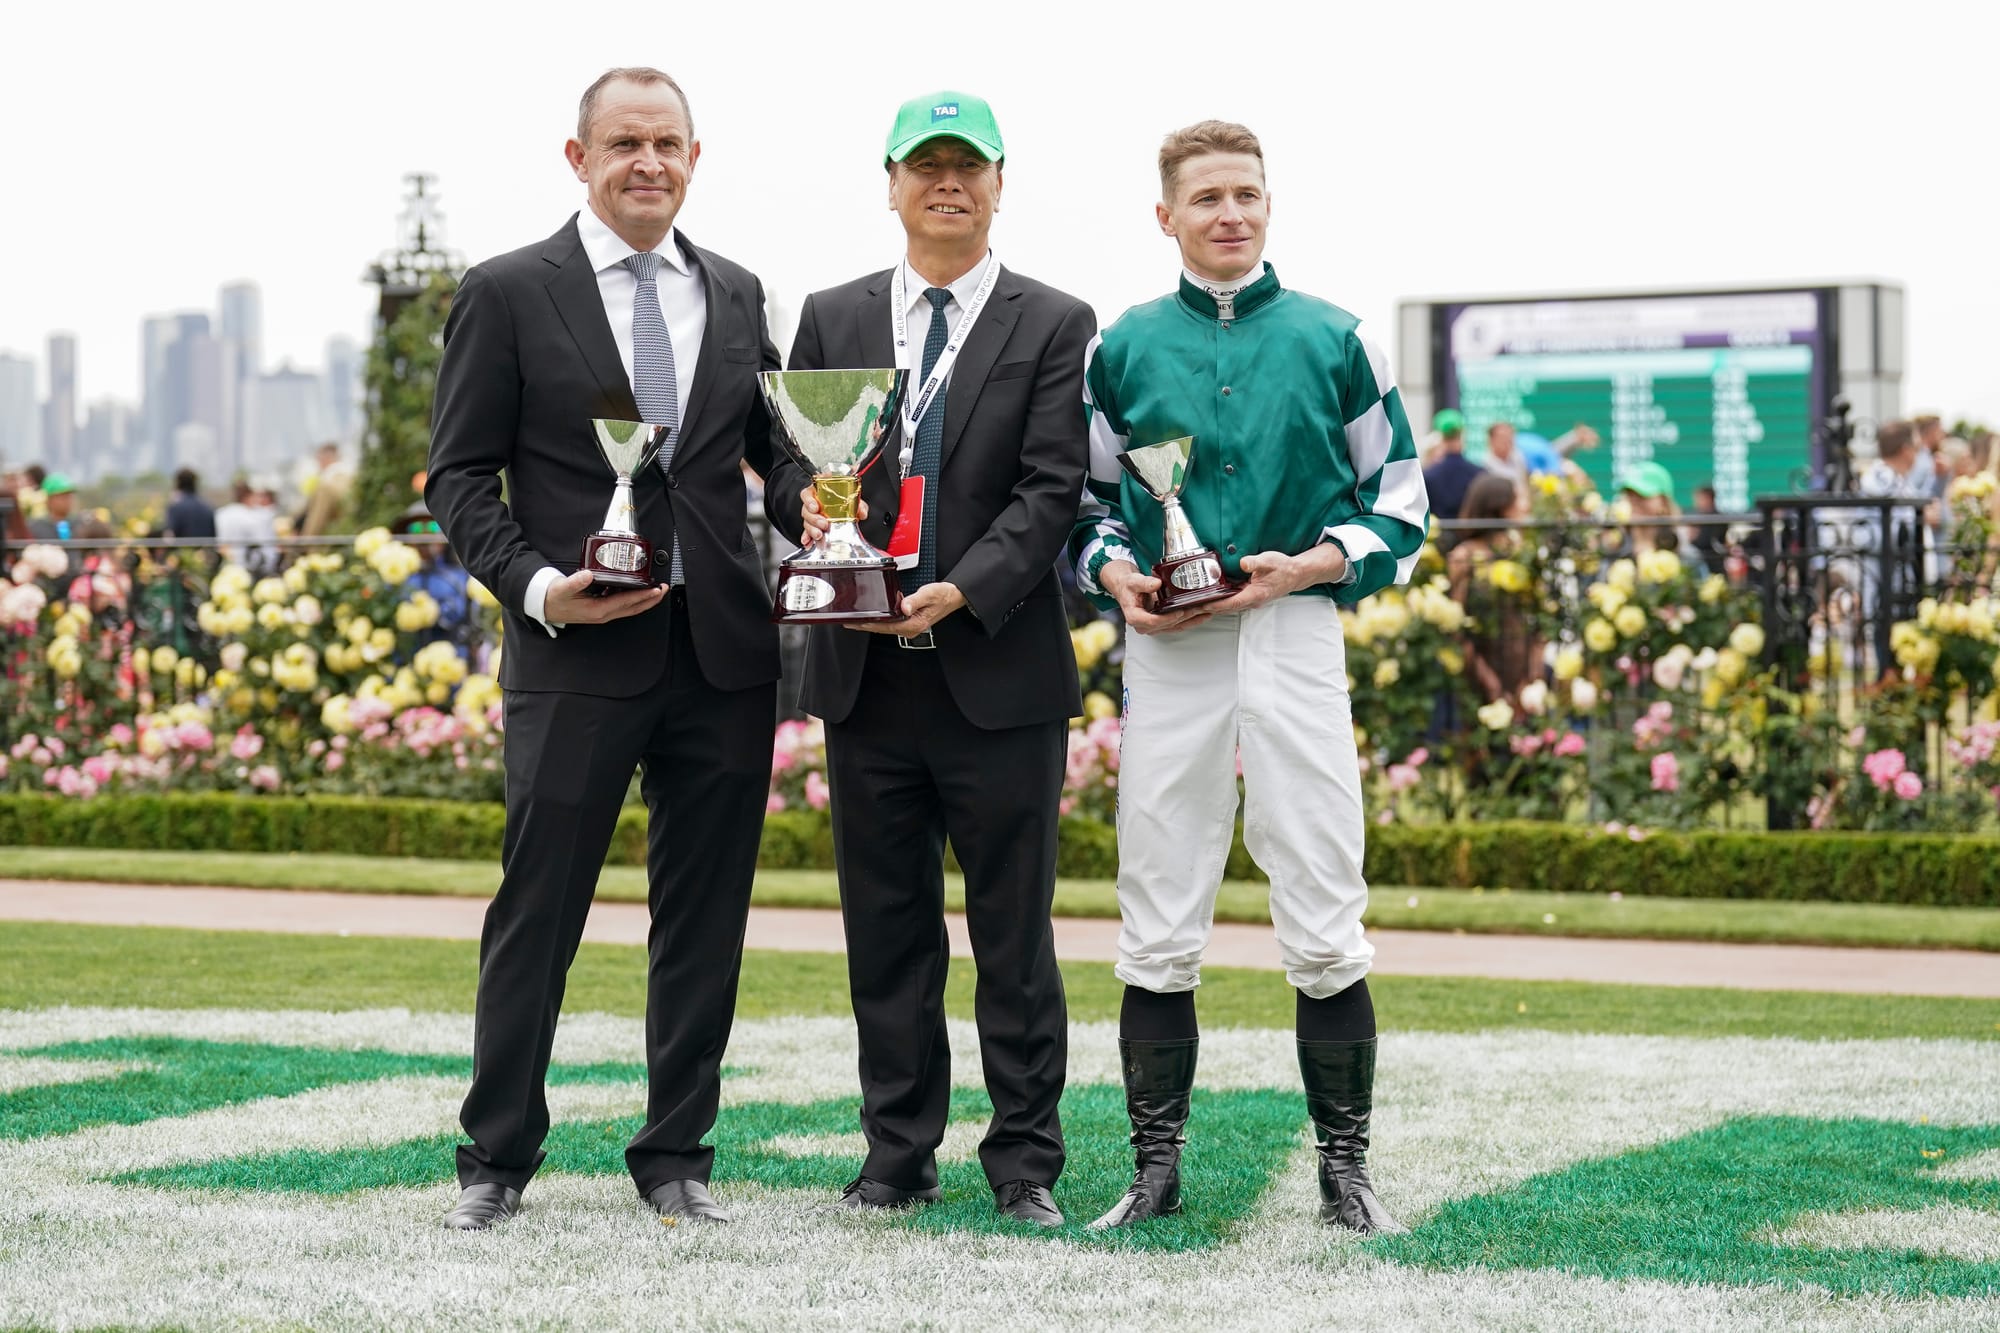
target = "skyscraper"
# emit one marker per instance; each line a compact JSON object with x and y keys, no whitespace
{"x":242,"y":360}
{"x":288,"y":417}
{"x":20,"y":411}
{"x":109,"y":441}
{"x":343,"y":388}
{"x":59,"y":413}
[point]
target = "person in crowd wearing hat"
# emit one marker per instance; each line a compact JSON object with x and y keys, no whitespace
{"x":1646,"y":490}
{"x":1306,"y":485}
{"x":56,"y":524}
{"x":1447,"y":480}
{"x":952,"y":723}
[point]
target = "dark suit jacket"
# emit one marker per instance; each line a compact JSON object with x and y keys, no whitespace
{"x":529,"y":359}
{"x":1015,"y":452}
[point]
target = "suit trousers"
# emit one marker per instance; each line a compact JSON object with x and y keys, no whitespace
{"x":908,"y":771}
{"x":704,"y":757}
{"x":1267,"y":687}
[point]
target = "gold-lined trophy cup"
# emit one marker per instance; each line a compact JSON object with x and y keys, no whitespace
{"x":835,"y":423}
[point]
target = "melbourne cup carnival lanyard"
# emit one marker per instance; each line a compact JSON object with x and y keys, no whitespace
{"x":903,"y":542}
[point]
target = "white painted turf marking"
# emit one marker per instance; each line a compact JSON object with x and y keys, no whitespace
{"x":1460,"y":1114}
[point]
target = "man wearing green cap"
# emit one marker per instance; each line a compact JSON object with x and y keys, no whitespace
{"x":56,"y":526}
{"x":1305,"y":482}
{"x":1448,"y":479}
{"x":953,"y":721}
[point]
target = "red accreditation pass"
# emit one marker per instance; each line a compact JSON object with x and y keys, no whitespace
{"x":909,"y":530}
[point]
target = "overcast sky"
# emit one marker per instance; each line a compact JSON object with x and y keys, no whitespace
{"x":153,"y":152}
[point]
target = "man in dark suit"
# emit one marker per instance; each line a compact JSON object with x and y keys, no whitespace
{"x":617,"y":315}
{"x":952,"y":722}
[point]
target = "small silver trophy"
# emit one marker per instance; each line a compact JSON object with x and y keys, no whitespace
{"x":1189,"y":572}
{"x":835,"y":423}
{"x":616,"y":555}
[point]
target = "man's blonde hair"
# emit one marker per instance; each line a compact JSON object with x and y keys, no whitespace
{"x":1206,"y":136}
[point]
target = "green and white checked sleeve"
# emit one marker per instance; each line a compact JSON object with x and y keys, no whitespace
{"x":1383,"y":540}
{"x":1100,"y":535}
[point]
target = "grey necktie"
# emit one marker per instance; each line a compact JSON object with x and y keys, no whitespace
{"x":654,"y":387}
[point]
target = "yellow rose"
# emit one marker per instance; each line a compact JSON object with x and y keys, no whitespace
{"x":164,"y":659}
{"x":1451,"y":660}
{"x":1508,"y":576}
{"x":480,"y":594}
{"x":370,"y":541}
{"x":1730,"y":664}
{"x":270,"y":592}
{"x":333,"y":714}
{"x":1097,"y":704}
{"x":142,"y":662}
{"x":1747,"y":639}
{"x":1624,"y":576}
{"x":271,"y":617}
{"x":1101,"y":635}
{"x":437,"y":694}
{"x":1606,"y":598}
{"x":1387,"y":672}
{"x":1659,"y":567}
{"x":1569,"y":664}
{"x":1599,"y":637}
{"x":298,"y":578}
{"x":1086,"y":655}
{"x":1713,"y":588}
{"x":1496,"y":716}
{"x":238,"y":621}
{"x":1630,"y":621}
{"x":383,"y":640}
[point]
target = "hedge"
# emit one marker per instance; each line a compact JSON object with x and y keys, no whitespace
{"x":1930,"y":869}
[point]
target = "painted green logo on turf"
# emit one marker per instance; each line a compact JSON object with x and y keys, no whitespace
{"x":1713,"y":1208}
{"x":1240,"y":1139}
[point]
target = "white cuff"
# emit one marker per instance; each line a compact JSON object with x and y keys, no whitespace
{"x":535,"y":600}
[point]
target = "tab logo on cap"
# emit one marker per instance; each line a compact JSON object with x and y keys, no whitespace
{"x":945,"y":112}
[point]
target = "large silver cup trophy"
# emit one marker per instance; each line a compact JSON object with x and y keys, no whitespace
{"x":616,"y":555}
{"x":835,"y":423}
{"x":1189,"y":572}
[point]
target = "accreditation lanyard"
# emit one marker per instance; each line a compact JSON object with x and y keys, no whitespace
{"x":899,"y":316}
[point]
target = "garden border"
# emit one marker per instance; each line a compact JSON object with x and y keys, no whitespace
{"x":1913,"y":868}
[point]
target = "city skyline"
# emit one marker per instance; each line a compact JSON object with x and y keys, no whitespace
{"x":1457,"y":150}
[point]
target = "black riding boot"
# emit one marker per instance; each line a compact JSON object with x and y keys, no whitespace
{"x":1340,"y":1080}
{"x":1159,"y":1075}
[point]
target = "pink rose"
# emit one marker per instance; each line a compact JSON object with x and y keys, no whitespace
{"x":1666,"y":772}
{"x":1570,"y":746}
{"x":264,"y":777}
{"x":334,"y":760}
{"x":773,"y":804}
{"x":817,"y":793}
{"x":246,"y":745}
{"x":1909,"y":786}
{"x":1418,"y":757}
{"x":1883,"y":768}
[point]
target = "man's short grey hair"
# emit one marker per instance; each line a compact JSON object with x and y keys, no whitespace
{"x":644,"y":75}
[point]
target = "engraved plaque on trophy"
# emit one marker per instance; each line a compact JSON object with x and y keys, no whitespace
{"x":1189,"y":572}
{"x":617,"y":557}
{"x":834,"y":423}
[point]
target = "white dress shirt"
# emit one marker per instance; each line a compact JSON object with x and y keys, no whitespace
{"x":918,"y":313}
{"x":684,"y":304}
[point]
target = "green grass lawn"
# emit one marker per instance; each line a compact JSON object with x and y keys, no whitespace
{"x":1473,"y":911}
{"x":161,"y":968}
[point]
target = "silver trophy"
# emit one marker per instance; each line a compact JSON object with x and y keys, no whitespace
{"x":616,"y":555}
{"x":1189,"y":572}
{"x":834,"y":423}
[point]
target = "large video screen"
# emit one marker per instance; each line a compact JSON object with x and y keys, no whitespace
{"x":1719,"y":388}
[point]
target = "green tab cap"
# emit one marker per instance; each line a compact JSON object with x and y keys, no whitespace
{"x":937,"y":115}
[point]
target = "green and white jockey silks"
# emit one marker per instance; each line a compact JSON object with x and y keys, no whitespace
{"x":1300,"y":435}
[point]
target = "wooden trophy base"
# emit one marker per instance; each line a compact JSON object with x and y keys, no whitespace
{"x":1190,"y":580}
{"x":812,"y":592}
{"x":619,"y":561}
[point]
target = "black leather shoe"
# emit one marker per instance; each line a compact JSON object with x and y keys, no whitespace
{"x":1159,"y":1080}
{"x":480,"y":1206}
{"x":1340,"y":1094}
{"x":1026,"y":1201}
{"x":688,"y":1200}
{"x":865,"y":1193}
